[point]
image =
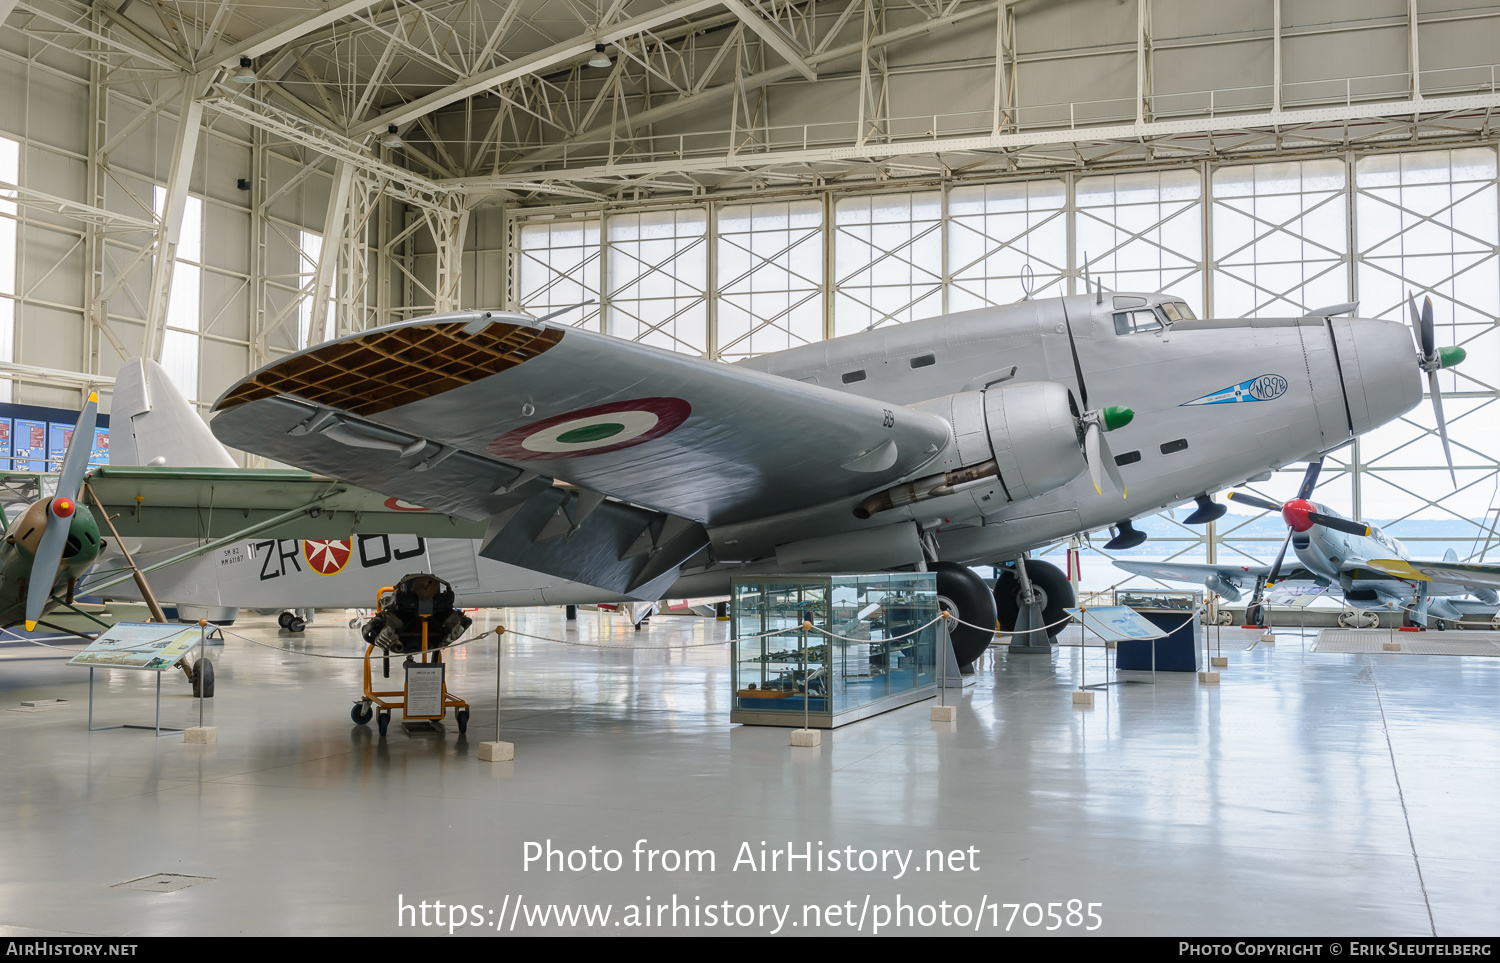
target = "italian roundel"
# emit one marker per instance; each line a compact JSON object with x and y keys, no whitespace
{"x":592,"y":431}
{"x":326,"y":556}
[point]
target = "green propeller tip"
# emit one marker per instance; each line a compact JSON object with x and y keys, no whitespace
{"x":1452,"y":355}
{"x":1117,"y":416}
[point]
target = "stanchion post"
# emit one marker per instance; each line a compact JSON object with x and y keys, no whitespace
{"x":943,"y":712}
{"x":1083,"y":696}
{"x":807,"y":736}
{"x":201,"y":734}
{"x":497,"y":751}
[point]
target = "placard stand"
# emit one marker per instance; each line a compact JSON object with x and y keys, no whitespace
{"x":142,"y":646}
{"x":157,"y":727}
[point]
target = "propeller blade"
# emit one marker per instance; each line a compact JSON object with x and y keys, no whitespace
{"x":1310,"y":480}
{"x":1112,"y":469}
{"x":1416,"y":321}
{"x":1093,"y":440}
{"x":76,"y":462}
{"x":1339,"y":524}
{"x":1280,"y":557}
{"x":1083,"y":391}
{"x":1429,"y":333}
{"x":44,"y":567}
{"x":1437,"y":409}
{"x":1254,"y":501}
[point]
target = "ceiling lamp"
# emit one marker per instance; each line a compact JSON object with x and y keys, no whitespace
{"x":246,"y":74}
{"x":600,"y":58}
{"x":391,"y":138}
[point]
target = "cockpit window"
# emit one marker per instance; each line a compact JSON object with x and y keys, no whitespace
{"x":1177,"y":311}
{"x":1142,"y":319}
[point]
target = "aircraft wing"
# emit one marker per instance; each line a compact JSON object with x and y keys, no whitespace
{"x":476,"y":414}
{"x":215,"y":502}
{"x":1241,"y":575}
{"x":1446,"y":578}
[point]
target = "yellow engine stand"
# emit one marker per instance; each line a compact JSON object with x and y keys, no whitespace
{"x":387,"y":701}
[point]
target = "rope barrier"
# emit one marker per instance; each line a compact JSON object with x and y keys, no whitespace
{"x":61,"y":648}
{"x":372,"y":655}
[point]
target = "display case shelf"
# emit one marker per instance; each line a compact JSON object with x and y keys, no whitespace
{"x":883,"y":654}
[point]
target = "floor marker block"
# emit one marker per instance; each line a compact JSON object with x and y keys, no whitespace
{"x":497,"y":751}
{"x":807,"y":737}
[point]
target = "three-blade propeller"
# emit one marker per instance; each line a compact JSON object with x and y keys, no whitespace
{"x":1300,"y":515}
{"x":1094,"y":422}
{"x":1432,"y":360}
{"x":60,"y":511}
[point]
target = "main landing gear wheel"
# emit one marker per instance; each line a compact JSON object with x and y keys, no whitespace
{"x":295,"y":624}
{"x":361,"y":713}
{"x":1052,"y":588}
{"x":964,"y":594}
{"x":383,"y":720}
{"x":462,"y":715}
{"x":284,"y":619}
{"x":203,"y":678}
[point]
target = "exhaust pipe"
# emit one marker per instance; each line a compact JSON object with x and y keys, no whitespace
{"x":933,"y":486}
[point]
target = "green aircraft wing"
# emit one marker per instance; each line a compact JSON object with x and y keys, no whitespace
{"x":150,"y":502}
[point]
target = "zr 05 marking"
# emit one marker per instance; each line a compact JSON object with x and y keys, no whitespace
{"x":373,"y":551}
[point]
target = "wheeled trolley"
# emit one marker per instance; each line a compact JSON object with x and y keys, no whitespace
{"x":415,"y":618}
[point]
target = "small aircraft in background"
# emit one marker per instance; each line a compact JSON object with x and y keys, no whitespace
{"x":1332,"y":550}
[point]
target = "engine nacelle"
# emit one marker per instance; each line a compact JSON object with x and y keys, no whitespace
{"x":1025,"y":434}
{"x":1029,"y":429}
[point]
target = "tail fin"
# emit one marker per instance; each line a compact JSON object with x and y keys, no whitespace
{"x":150,"y":422}
{"x":1450,"y":556}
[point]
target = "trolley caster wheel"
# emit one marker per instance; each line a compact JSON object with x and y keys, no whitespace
{"x":354,"y":623}
{"x":362,"y":714}
{"x":383,"y":719}
{"x":295,"y":624}
{"x":462,"y":715}
{"x":203,"y":678}
{"x":284,"y":619}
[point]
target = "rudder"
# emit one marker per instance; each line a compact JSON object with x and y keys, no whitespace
{"x":150,"y":420}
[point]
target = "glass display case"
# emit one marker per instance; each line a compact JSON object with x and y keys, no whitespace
{"x":872,"y":647}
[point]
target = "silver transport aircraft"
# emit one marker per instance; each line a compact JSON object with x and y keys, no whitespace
{"x":967,"y":439}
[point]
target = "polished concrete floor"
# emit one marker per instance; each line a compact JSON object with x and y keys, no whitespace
{"x":1307,"y":794}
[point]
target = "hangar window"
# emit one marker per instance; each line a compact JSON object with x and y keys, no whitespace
{"x":10,"y":171}
{"x":888,"y":260}
{"x":768,"y":277}
{"x":558,"y":266}
{"x":852,"y":376}
{"x":1129,"y":458}
{"x":922,"y":361}
{"x":310,"y":250}
{"x":1174,"y":446}
{"x":658,"y":278}
{"x":1142,"y":231}
{"x":996,"y":232}
{"x":181,"y":340}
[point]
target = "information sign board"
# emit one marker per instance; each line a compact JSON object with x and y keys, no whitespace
{"x":1117,"y":623}
{"x":139,"y":645}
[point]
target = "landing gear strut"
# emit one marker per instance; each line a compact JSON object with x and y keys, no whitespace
{"x":1052,"y":592}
